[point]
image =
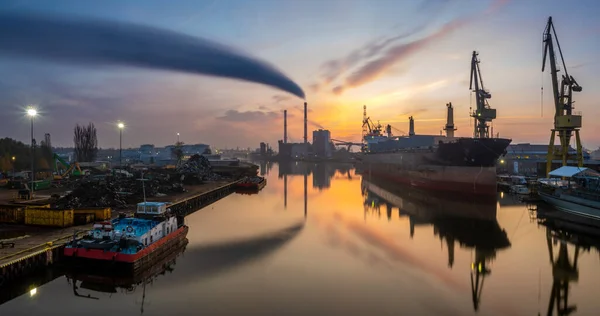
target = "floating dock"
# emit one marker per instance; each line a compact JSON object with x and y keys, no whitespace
{"x":24,"y":255}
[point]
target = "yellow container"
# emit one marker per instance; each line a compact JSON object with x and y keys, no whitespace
{"x":12,"y":213}
{"x":34,"y":205}
{"x":49,"y":217}
{"x":100,"y":213}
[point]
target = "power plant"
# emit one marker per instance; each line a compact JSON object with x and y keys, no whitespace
{"x":288,"y":150}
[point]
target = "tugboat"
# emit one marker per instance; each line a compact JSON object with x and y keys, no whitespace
{"x":136,"y":241}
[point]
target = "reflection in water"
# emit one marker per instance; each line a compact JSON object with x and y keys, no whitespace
{"x":213,"y":259}
{"x":473,"y":225}
{"x":564,"y":230}
{"x":391,"y":266}
{"x":322,"y":173}
{"x":111,"y":282}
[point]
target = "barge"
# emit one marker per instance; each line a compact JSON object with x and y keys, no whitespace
{"x":131,"y":241}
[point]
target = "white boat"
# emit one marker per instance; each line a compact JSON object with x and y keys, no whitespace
{"x":579,"y":194}
{"x":520,"y":189}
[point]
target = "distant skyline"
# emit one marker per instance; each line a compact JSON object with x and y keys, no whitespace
{"x":399,"y":58}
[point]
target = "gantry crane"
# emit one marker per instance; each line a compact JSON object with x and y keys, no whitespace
{"x":565,"y":122}
{"x":483,"y":113}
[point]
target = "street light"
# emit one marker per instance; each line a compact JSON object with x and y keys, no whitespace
{"x":177,"y":138}
{"x":13,"y":167}
{"x":121,"y":127}
{"x":32,"y":112}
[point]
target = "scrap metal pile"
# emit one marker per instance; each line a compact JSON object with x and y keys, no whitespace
{"x":196,"y":170}
{"x":117,"y":192}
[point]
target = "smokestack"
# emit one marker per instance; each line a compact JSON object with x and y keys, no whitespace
{"x":450,"y":121}
{"x":285,"y":126}
{"x":411,"y":126}
{"x":305,"y":122}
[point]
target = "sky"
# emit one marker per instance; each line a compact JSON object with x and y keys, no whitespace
{"x":399,"y":58}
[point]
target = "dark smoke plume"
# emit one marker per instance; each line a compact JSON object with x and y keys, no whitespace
{"x":77,"y":40}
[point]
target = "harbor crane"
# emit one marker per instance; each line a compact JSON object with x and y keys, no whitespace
{"x":565,"y":121}
{"x":483,"y":113}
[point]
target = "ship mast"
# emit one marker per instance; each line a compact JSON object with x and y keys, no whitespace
{"x":483,"y":113}
{"x":565,"y":123}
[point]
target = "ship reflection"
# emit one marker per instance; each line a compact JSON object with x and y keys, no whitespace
{"x":113,"y":282}
{"x":565,"y":233}
{"x":471,"y":224}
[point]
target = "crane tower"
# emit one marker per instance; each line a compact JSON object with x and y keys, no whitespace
{"x":483,"y":113}
{"x":565,"y":121}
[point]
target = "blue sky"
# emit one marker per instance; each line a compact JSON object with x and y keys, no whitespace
{"x":400,"y":58}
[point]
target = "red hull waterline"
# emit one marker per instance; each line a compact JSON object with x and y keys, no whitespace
{"x":455,"y":187}
{"x":99,"y":254}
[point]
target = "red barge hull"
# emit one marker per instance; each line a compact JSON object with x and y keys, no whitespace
{"x":251,"y":185}
{"x":150,"y":253}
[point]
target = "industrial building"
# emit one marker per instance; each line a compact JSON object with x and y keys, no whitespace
{"x":524,"y":158}
{"x":322,"y":143}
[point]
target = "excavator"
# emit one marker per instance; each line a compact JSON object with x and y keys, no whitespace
{"x":69,"y":169}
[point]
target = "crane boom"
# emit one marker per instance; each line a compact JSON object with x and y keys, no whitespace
{"x":483,"y":113}
{"x":565,"y":122}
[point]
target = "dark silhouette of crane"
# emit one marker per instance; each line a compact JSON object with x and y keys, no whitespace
{"x":565,"y":122}
{"x":483,"y":113}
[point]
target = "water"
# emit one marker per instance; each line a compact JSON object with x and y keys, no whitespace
{"x":349,"y":252}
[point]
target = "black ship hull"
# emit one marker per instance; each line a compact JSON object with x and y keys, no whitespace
{"x":459,"y":165}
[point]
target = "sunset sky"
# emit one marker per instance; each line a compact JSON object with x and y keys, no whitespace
{"x":399,"y":58}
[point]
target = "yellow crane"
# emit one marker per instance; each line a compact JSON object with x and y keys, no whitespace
{"x":565,"y":121}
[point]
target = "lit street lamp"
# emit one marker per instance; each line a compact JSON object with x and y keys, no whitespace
{"x":177,"y":138}
{"x":13,"y":167}
{"x":121,"y":126}
{"x":32,"y":112}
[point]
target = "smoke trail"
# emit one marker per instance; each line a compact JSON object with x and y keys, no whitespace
{"x":76,"y":40}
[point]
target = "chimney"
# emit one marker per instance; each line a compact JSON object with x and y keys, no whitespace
{"x":285,"y":126}
{"x":305,"y":121}
{"x":411,"y":126}
{"x":450,"y":121}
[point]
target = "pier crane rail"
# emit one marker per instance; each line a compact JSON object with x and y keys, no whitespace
{"x":565,"y":121}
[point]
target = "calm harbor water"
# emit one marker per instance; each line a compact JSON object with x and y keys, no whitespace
{"x":333,"y":243}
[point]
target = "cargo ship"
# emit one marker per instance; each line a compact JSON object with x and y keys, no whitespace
{"x":445,"y":163}
{"x":131,"y":241}
{"x":465,"y":165}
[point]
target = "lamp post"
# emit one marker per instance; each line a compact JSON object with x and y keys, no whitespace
{"x":13,"y":167}
{"x":177,"y":138}
{"x":32,"y":112}
{"x":121,"y":126}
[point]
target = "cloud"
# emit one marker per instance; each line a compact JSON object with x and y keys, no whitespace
{"x":97,"y":42}
{"x":394,"y":55}
{"x":248,"y":116}
{"x":413,"y":112}
{"x":332,"y":69}
{"x":381,"y":57}
{"x":280,"y":98}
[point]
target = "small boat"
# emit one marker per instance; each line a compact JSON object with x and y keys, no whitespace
{"x":578,"y":194}
{"x":520,"y":189}
{"x":252,"y":183}
{"x":131,"y":240}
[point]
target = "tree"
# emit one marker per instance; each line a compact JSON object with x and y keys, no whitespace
{"x":177,"y":151}
{"x":45,"y":159}
{"x":86,"y":143}
{"x":11,"y":148}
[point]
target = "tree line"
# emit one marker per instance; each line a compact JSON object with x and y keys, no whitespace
{"x":84,"y":139}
